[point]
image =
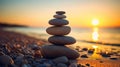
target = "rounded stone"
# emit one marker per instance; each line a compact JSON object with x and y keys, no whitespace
{"x":53,"y":51}
{"x":60,"y":12}
{"x":1,"y":53}
{"x":61,"y":65}
{"x":6,"y":60}
{"x":59,"y":16}
{"x":60,"y":30}
{"x":62,"y":59}
{"x":58,"y":22}
{"x":61,"y":40}
{"x":73,"y":65}
{"x":37,"y":54}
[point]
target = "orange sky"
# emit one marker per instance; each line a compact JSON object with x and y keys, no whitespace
{"x":80,"y":13}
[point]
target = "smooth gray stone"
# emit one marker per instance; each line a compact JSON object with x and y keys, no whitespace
{"x":59,"y":16}
{"x":62,"y":59}
{"x":24,"y":65}
{"x":1,"y":53}
{"x":73,"y":65}
{"x":60,"y":12}
{"x":60,"y":30}
{"x":19,"y":59}
{"x":61,"y":65}
{"x":53,"y":51}
{"x":61,"y":40}
{"x":6,"y":60}
{"x":58,"y":22}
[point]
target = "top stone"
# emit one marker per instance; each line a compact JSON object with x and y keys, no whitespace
{"x":60,"y":12}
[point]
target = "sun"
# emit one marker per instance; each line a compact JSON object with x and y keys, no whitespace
{"x":95,"y":22}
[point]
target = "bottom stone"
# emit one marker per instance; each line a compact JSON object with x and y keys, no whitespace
{"x":53,"y":51}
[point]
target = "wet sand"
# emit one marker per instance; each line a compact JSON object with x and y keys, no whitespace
{"x":101,"y":63}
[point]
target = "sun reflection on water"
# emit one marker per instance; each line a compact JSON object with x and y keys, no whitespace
{"x":95,"y":47}
{"x":95,"y":34}
{"x":95,"y":38}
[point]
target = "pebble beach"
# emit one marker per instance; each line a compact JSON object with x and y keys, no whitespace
{"x":59,"y":50}
{"x":19,"y":50}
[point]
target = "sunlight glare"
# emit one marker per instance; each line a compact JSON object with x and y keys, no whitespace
{"x":94,"y":46}
{"x":95,"y":22}
{"x":95,"y":34}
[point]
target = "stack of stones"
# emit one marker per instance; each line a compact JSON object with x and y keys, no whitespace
{"x":59,"y":40}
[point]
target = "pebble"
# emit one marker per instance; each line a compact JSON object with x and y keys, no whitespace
{"x":1,"y":53}
{"x":59,"y":16}
{"x":61,"y":65}
{"x":87,"y":64}
{"x":105,"y":55}
{"x":58,"y":22}
{"x":6,"y":60}
{"x":62,"y":59}
{"x":85,"y":49}
{"x":37,"y":54}
{"x":40,"y":65}
{"x":62,"y":40}
{"x":60,"y":12}
{"x":113,"y":58}
{"x":73,"y":65}
{"x":79,"y":65}
{"x":84,"y":56}
{"x":41,"y":60}
{"x":47,"y":64}
{"x":101,"y":61}
{"x":34,"y":47}
{"x":24,"y":65}
{"x":53,"y":51}
{"x":72,"y":61}
{"x":62,"y":30}
{"x":19,"y":59}
{"x":91,"y":51}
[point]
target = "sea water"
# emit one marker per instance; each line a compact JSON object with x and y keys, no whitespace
{"x":89,"y":35}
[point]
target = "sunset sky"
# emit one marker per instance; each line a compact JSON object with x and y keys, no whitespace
{"x":80,"y":13}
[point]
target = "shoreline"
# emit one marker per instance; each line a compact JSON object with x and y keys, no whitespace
{"x":17,"y":36}
{"x":14,"y":41}
{"x":109,"y":44}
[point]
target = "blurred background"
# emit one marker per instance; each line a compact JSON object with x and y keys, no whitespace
{"x":80,"y":13}
{"x":94,"y":23}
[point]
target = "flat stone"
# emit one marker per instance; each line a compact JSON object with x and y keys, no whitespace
{"x":47,"y":64}
{"x":105,"y":55}
{"x":1,"y":53}
{"x":58,"y":22}
{"x":85,"y":49}
{"x":84,"y":56}
{"x":19,"y":59}
{"x":6,"y":60}
{"x":24,"y":65}
{"x":60,"y":12}
{"x":34,"y":47}
{"x":87,"y":64}
{"x":37,"y":54}
{"x":61,"y":65}
{"x":61,"y":40}
{"x":73,"y":65}
{"x":62,"y":59}
{"x":91,"y":51}
{"x":113,"y":58}
{"x":60,"y":30}
{"x":59,"y":16}
{"x":53,"y":51}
